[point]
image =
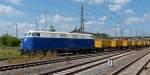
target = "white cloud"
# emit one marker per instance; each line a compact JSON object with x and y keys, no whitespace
{"x":103,"y":18}
{"x":121,"y":2}
{"x":58,"y":18}
{"x":16,"y":2}
{"x":133,"y":20}
{"x":96,"y":23}
{"x":138,"y":20}
{"x":146,"y":17}
{"x":96,"y":1}
{"x":117,"y":4}
{"x":7,"y":27}
{"x":113,"y":7}
{"x":79,"y":0}
{"x":9,"y":10}
{"x":130,"y":12}
{"x":60,"y":22}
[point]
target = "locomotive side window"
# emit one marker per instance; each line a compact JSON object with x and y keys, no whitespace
{"x":35,"y":34}
{"x":38,"y":34}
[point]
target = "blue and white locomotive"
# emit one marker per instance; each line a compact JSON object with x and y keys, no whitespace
{"x":37,"y":41}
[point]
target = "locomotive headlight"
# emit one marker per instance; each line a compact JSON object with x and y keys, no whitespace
{"x":25,"y":39}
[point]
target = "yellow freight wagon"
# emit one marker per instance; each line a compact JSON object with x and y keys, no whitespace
{"x":125,"y":43}
{"x":148,"y":42}
{"x":102,"y":43}
{"x":139,"y":42}
{"x":113,"y":43}
{"x":106,"y":43}
{"x":129,"y":43}
{"x":135,"y":43}
{"x":98,"y":43}
{"x":142,"y":43}
{"x":119,"y":43}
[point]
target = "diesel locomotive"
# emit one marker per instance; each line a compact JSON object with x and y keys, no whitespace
{"x":44,"y":41}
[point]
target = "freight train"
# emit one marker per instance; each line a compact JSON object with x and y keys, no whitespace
{"x":44,"y":41}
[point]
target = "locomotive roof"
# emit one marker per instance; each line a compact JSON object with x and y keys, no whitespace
{"x":48,"y":32}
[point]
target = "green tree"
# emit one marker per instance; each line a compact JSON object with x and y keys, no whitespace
{"x":0,"y":41}
{"x":10,"y":41}
{"x":15,"y":42}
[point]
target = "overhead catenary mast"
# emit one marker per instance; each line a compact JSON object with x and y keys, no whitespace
{"x":142,"y":32}
{"x":115,"y":25}
{"x":115,"y":31}
{"x":37,"y":25}
{"x":136,"y":32}
{"x":121,"y":31}
{"x":82,"y":19}
{"x":45,"y":16}
{"x":16,"y":30}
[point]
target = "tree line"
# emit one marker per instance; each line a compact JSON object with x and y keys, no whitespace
{"x":7,"y":40}
{"x":102,"y":36}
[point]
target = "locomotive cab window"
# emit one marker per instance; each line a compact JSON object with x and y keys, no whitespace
{"x":28,"y":34}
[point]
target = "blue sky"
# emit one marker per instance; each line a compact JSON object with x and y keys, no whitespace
{"x":64,"y":15}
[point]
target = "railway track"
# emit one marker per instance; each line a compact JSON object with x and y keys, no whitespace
{"x":53,"y":66}
{"x":145,"y":70}
{"x":134,"y":67}
{"x":32,"y":64}
{"x":71,"y":70}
